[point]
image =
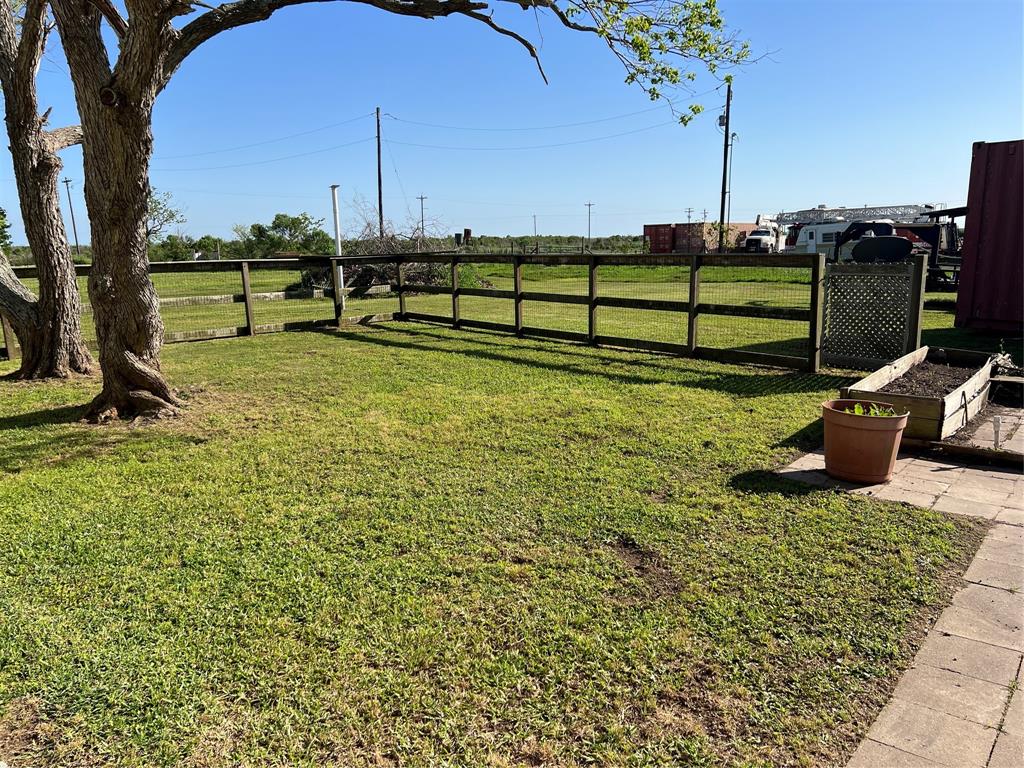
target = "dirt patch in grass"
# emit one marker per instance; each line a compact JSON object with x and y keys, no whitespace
{"x":217,"y":740}
{"x":929,"y":380}
{"x":28,"y":738}
{"x":649,"y":566}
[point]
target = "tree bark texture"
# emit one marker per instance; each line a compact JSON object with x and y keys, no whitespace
{"x":116,"y":111}
{"x":48,"y":327}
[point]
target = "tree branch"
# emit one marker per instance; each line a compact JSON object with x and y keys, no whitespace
{"x":114,"y":19}
{"x":490,"y":22}
{"x":61,"y":138}
{"x":231,"y":15}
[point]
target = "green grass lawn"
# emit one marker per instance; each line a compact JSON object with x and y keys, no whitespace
{"x":404,"y":545}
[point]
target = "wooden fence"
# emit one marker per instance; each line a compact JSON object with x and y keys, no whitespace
{"x":689,"y":311}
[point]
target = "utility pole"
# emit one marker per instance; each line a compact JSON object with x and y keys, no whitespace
{"x":725,"y":165}
{"x":421,"y":198}
{"x":380,"y":183}
{"x":536,"y":243}
{"x":337,"y":241}
{"x":732,"y":156}
{"x":689,"y":232}
{"x":71,"y":210}
{"x":589,"y":206}
{"x":703,"y":232}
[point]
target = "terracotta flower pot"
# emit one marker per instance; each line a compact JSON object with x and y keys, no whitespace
{"x":860,"y":448}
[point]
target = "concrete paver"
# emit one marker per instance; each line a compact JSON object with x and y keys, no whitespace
{"x":1008,"y":752}
{"x":954,"y":694}
{"x":1010,"y":515}
{"x":933,"y":735}
{"x":1002,"y":551}
{"x":874,"y":754}
{"x":957,"y":506}
{"x":994,"y":574}
{"x":974,"y":626}
{"x":1014,"y":720}
{"x":970,"y":658}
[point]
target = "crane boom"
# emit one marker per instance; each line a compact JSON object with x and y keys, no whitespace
{"x":904,"y":213}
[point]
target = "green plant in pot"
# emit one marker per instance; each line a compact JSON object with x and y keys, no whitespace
{"x":862,"y":439}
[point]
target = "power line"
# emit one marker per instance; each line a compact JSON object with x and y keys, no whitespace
{"x":528,"y":128}
{"x":595,"y":121}
{"x":271,"y":160}
{"x":535,"y":146}
{"x":71,"y":209}
{"x":401,"y":187}
{"x":264,"y":143}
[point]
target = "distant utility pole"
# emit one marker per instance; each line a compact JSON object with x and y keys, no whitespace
{"x":703,"y":232}
{"x":536,"y":243}
{"x":732,"y":156}
{"x":71,"y":210}
{"x":421,"y":198}
{"x":380,"y":183}
{"x":724,"y":121}
{"x":589,"y":206}
{"x":337,"y":240}
{"x":689,"y":232}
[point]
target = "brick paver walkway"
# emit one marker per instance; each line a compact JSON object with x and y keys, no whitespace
{"x":960,"y":704}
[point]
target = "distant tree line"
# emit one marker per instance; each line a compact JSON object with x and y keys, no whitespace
{"x":299,"y":234}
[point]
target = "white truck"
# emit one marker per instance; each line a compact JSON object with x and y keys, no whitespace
{"x":765,"y":238}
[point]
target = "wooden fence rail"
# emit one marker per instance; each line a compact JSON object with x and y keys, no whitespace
{"x":690,"y":311}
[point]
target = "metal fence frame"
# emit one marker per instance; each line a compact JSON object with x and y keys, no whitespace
{"x":690,"y":311}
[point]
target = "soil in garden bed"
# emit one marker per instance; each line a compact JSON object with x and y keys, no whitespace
{"x":929,"y":380}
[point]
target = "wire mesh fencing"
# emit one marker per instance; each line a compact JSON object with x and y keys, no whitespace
{"x":197,"y":304}
{"x":728,"y":306}
{"x":644,"y":299}
{"x":761,"y":309}
{"x":555,"y":293}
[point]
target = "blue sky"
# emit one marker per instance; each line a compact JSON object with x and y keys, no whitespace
{"x":866,"y":101}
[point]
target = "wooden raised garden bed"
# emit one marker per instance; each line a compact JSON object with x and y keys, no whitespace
{"x":942,"y":388}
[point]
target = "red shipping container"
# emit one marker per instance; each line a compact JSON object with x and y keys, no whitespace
{"x":660,"y":237}
{"x":991,"y":292}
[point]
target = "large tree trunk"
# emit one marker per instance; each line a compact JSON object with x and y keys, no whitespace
{"x":49,"y":328}
{"x":53,"y":345}
{"x":116,"y":106}
{"x":118,"y":144}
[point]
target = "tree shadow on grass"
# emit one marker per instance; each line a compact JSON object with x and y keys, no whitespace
{"x":568,"y":357}
{"x":56,"y":436}
{"x":69,"y":414}
{"x":763,"y":481}
{"x":805,"y":439}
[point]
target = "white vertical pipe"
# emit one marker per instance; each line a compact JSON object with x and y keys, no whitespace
{"x":337,"y":241}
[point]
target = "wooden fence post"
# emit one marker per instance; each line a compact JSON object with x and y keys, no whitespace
{"x":10,"y":340}
{"x":455,"y":292}
{"x":517,"y":287}
{"x":339,"y":293}
{"x":696,"y":261}
{"x":917,"y":284}
{"x":817,"y":308}
{"x":592,"y":307}
{"x":400,"y":282}
{"x":250,"y":321}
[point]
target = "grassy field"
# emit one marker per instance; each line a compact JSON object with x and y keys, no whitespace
{"x":404,"y":545}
